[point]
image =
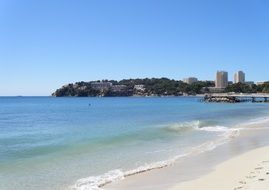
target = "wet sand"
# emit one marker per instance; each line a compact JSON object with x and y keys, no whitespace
{"x":211,"y":168}
{"x":247,"y":171}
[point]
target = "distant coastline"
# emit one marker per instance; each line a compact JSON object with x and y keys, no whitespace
{"x":152,"y":87}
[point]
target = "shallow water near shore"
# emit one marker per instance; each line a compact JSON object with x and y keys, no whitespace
{"x":195,"y":166}
{"x":83,"y":143}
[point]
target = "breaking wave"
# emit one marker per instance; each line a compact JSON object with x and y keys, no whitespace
{"x":187,"y":126}
{"x":97,"y":182}
{"x":198,"y":125}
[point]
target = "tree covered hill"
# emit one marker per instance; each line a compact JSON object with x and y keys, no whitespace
{"x":131,"y":87}
{"x":150,"y":87}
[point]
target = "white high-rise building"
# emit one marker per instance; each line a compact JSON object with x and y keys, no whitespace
{"x":221,"y":79}
{"x":239,"y":77}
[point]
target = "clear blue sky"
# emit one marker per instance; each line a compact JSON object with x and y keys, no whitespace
{"x":45,"y":44}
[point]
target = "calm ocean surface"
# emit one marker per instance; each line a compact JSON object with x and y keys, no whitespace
{"x":80,"y":143}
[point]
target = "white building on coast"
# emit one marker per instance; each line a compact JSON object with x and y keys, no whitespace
{"x":101,"y":85}
{"x":239,"y":77}
{"x":221,"y":79}
{"x":190,"y":80}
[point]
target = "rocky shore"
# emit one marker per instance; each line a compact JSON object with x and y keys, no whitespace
{"x":225,"y":99}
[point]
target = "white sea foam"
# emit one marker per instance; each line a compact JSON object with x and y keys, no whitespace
{"x":211,"y":145}
{"x":183,"y":126}
{"x":257,"y":121}
{"x":224,"y":131}
{"x":214,"y":129}
{"x":97,"y":182}
{"x":197,"y":125}
{"x":225,"y":135}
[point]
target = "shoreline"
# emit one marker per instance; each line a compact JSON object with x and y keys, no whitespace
{"x":187,"y":171}
{"x":247,"y":171}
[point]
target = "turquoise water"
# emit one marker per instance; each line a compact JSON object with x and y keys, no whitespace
{"x":82,"y":143}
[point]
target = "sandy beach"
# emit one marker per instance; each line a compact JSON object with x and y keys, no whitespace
{"x":243,"y":163}
{"x":247,"y":171}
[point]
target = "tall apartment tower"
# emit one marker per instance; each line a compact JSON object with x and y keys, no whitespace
{"x":221,"y":79}
{"x":239,"y":77}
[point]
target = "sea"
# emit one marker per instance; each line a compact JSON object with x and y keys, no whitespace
{"x":74,"y":143}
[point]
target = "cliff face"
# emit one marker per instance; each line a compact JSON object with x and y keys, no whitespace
{"x":86,"y":89}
